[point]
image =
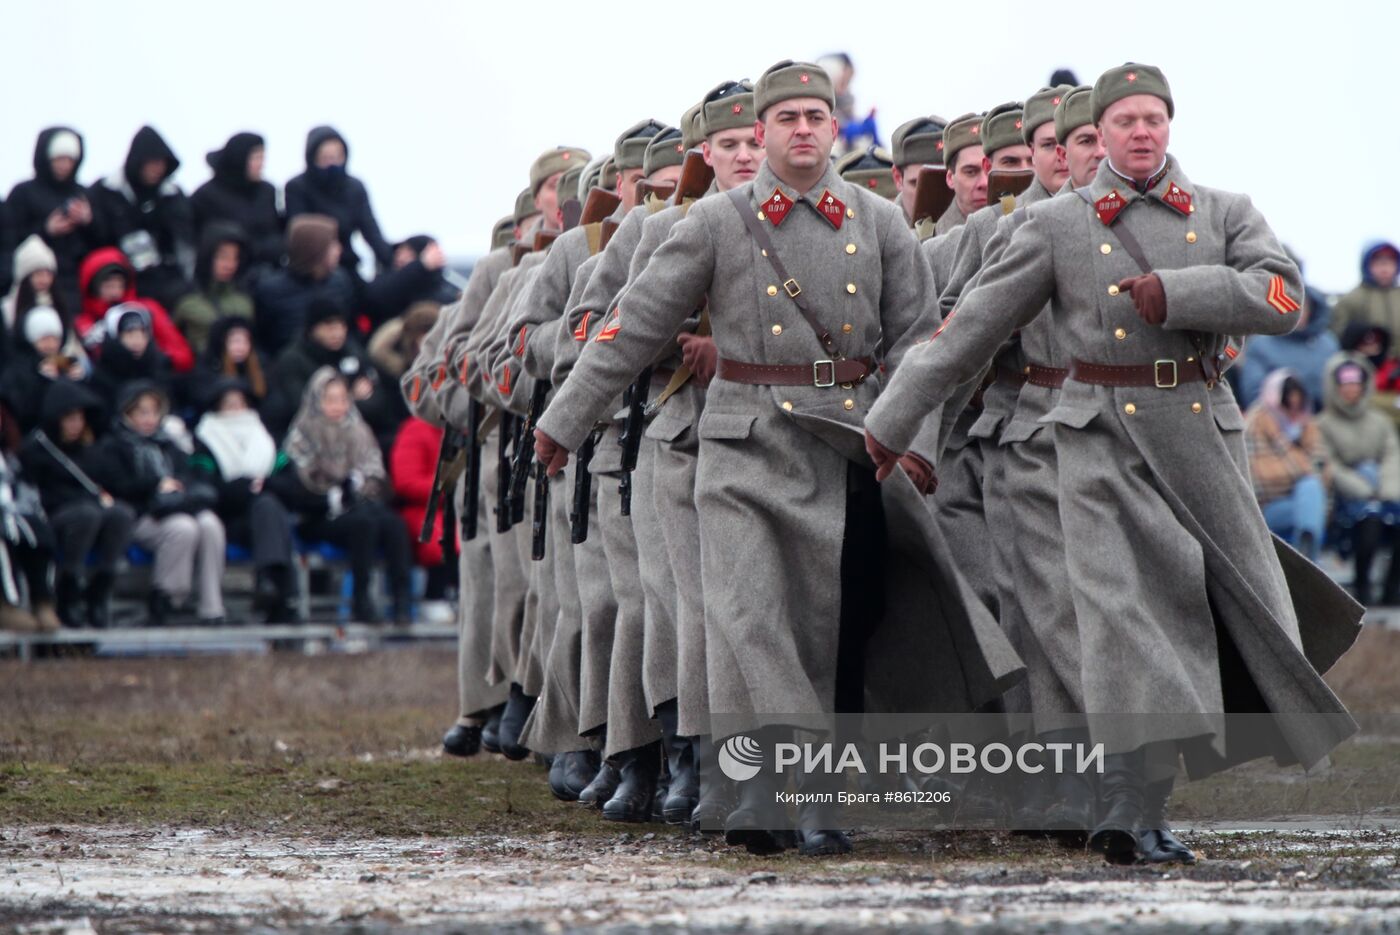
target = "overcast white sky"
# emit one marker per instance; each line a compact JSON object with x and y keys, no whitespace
{"x":445,"y":104}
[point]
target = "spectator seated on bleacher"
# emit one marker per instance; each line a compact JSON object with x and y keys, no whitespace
{"x":91,"y":528}
{"x":127,"y":353}
{"x":230,"y":354}
{"x":28,"y":544}
{"x":336,"y":481}
{"x":37,"y":360}
{"x":239,"y":195}
{"x":1288,"y":463}
{"x":235,"y":455}
{"x":217,"y":292}
{"x":412,"y":466}
{"x":140,"y":463}
{"x":1364,"y":453}
{"x":313,"y":272}
{"x":107,"y":279}
{"x":35,"y":281}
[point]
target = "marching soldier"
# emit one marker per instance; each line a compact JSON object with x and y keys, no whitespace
{"x":871,"y":167}
{"x":790,"y":520}
{"x":967,"y":177}
{"x":1185,"y":605}
{"x":915,"y":143}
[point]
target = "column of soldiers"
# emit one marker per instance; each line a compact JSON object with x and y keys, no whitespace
{"x":734,"y":430}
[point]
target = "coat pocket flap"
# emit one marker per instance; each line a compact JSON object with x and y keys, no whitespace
{"x":1228,"y":418}
{"x":1074,"y":417}
{"x":667,"y":428}
{"x":1019,"y":430}
{"x":986,"y":425}
{"x":722,"y":426}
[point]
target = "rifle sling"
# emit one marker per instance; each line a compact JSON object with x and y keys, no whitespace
{"x":682,"y":375}
{"x":790,"y":285}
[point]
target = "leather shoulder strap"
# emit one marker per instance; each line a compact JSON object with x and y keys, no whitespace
{"x":790,"y":285}
{"x":1125,"y":237}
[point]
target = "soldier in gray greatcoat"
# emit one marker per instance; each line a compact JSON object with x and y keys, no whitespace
{"x":793,"y":622}
{"x":1186,"y":608}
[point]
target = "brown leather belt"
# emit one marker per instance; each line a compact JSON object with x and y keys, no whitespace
{"x":1162,"y":374}
{"x":821,"y":373}
{"x":1010,"y":376}
{"x":1051,"y":378}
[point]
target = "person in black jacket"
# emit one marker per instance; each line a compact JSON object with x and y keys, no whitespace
{"x":312,"y":273}
{"x":231,"y":354}
{"x":128,"y":353}
{"x":327,"y":343}
{"x":37,"y":361}
{"x":54,"y":206}
{"x":416,"y":277}
{"x":237,"y":194}
{"x":139,"y":463}
{"x":140,"y":210}
{"x":62,"y":460}
{"x":326,"y":188}
{"x":235,"y":455}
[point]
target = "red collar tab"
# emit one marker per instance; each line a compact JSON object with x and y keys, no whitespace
{"x":832,"y":208}
{"x":1109,"y":207}
{"x":777,"y":207}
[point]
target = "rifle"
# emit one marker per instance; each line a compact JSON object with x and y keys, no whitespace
{"x":471,"y":475}
{"x":539,"y":522}
{"x":583,"y":488}
{"x":607,"y":229}
{"x":661,"y":191}
{"x":525,"y":450}
{"x":932,"y":196}
{"x":543,"y":239}
{"x":448,"y":451}
{"x":517,"y":253}
{"x":630,"y":438}
{"x":503,"y":441}
{"x":448,"y":540}
{"x":1004,"y":184}
{"x":601,"y":203}
{"x":571,"y":211}
{"x":696,"y":177}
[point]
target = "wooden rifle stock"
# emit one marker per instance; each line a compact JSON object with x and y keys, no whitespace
{"x":608,"y":228}
{"x":571,"y":212}
{"x":932,"y":196}
{"x":600,"y":205}
{"x":543,"y":239}
{"x":517,"y":253}
{"x":1008,"y":183}
{"x":658,"y":190}
{"x":696,"y":177}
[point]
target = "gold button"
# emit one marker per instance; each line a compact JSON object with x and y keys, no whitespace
{"x":847,"y":386}
{"x":772,"y":290}
{"x":764,"y":252}
{"x":1113,"y":289}
{"x":1195,"y":407}
{"x":762,"y":216}
{"x":847,"y":328}
{"x":849,"y":404}
{"x":777,"y":329}
{"x":851,"y":288}
{"x":1105,"y":249}
{"x":1193,"y":209}
{"x":1190,"y":236}
{"x":1130,"y":409}
{"x":850,"y":212}
{"x":787,"y":406}
{"x":1120,"y":333}
{"x":850,"y":248}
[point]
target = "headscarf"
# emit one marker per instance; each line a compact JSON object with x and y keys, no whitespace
{"x":327,"y":453}
{"x":1274,"y":392}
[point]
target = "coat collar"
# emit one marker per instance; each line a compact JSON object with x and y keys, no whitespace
{"x":766,"y":182}
{"x":1172,"y":182}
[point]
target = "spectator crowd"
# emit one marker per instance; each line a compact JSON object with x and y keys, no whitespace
{"x":181,"y":373}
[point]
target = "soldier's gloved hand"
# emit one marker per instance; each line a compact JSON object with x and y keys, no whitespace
{"x":884,"y":458}
{"x":1149,"y":298}
{"x":700,"y":355}
{"x":920,"y":472}
{"x":550,"y":453}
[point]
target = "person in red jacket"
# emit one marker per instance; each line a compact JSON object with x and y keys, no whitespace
{"x":412,"y":464}
{"x":106,"y":278}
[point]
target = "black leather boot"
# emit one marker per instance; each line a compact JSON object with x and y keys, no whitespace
{"x":818,"y":822}
{"x":715,"y":798}
{"x":580,"y":766}
{"x":633,"y":799}
{"x":462,"y":740}
{"x":556,"y":778}
{"x":1033,"y":796}
{"x":98,"y":597}
{"x":1156,"y":843}
{"x":403,"y":606}
{"x":159,"y":607}
{"x":602,"y":787}
{"x":1074,"y":797}
{"x":683,"y":793}
{"x":518,"y":708}
{"x":491,"y":732}
{"x":757,"y":823}
{"x":68,"y":596}
{"x":362,"y":609}
{"x":1121,"y":791}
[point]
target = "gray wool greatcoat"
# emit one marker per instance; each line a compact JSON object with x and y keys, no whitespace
{"x":1166,"y":546}
{"x":772,"y":475}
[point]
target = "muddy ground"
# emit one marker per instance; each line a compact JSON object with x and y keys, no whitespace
{"x":287,"y":792}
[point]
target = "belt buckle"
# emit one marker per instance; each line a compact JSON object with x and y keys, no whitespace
{"x":792,"y":288}
{"x":1161,"y":384}
{"x":817,"y":373}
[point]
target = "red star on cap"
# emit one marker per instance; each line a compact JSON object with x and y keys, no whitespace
{"x":566,"y":155}
{"x":738,"y":108}
{"x":680,"y":148}
{"x":804,"y":79}
{"x":1055,"y":101}
{"x":1132,"y":76}
{"x":976,"y":131}
{"x":873,"y":183}
{"x":1018,"y":124}
{"x":938,"y":145}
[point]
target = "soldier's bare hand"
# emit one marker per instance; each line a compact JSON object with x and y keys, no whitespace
{"x":700,"y":356}
{"x":920,"y":472}
{"x":1149,"y":297}
{"x":884,"y":458}
{"x":550,"y":453}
